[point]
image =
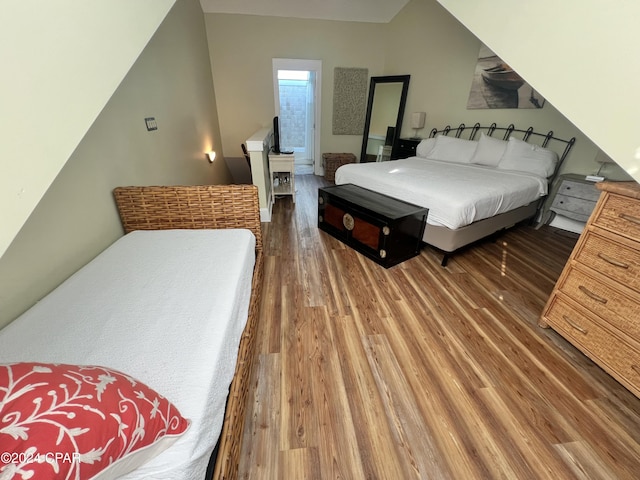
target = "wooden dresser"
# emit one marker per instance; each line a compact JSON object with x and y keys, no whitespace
{"x":596,"y":302}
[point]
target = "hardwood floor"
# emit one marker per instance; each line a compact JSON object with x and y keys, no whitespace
{"x":424,"y":372}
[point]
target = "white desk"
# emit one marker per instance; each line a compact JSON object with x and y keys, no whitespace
{"x":282,"y":173}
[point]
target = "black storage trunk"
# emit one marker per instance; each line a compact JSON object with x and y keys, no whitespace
{"x":385,"y":229}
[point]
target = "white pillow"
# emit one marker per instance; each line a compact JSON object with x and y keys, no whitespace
{"x":452,"y":149}
{"x":424,"y":147}
{"x":489,"y":151}
{"x":529,"y":158}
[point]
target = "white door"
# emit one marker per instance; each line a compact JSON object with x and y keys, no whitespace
{"x":296,"y":95}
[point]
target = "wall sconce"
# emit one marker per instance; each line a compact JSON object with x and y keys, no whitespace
{"x":211,"y":156}
{"x":417,"y":122}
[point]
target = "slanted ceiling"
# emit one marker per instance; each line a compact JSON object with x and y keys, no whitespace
{"x":583,"y":57}
{"x":376,"y":11}
{"x":61,"y":61}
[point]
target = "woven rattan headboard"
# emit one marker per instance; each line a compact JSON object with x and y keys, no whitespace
{"x":195,"y":207}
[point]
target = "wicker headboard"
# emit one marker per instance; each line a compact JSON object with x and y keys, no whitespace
{"x":194,"y":207}
{"x":543,"y":139}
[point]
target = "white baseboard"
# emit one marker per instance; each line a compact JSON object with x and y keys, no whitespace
{"x":265,"y":213}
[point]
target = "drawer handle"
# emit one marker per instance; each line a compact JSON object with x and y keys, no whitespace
{"x":612,"y":261}
{"x":629,"y":218}
{"x":591,"y":295}
{"x":574,"y":325}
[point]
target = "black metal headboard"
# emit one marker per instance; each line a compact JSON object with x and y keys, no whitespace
{"x":506,"y":133}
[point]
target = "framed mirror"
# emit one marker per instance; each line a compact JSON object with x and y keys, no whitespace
{"x":385,"y":109}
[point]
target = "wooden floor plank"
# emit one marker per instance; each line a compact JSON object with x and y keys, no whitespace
{"x":367,"y":406}
{"x":298,"y":410}
{"x":337,"y":435}
{"x":585,"y":462}
{"x":300,"y":462}
{"x":424,"y":371}
{"x":259,"y":459}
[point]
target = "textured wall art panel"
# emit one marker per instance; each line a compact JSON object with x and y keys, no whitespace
{"x":349,"y":100}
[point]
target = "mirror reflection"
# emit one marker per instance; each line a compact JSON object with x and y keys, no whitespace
{"x":385,"y":109}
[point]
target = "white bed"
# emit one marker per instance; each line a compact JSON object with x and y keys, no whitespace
{"x":166,"y":307}
{"x":456,"y":194}
{"x":472,"y":188}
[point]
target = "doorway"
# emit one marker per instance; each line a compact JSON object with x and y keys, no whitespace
{"x":297,"y":105}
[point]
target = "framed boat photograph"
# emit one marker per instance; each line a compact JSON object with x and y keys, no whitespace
{"x":496,"y":85}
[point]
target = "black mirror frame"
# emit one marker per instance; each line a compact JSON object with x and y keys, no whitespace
{"x":404,"y":79}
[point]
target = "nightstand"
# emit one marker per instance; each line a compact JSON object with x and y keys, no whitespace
{"x":282,"y":172}
{"x":575,"y":197}
{"x":405,"y":147}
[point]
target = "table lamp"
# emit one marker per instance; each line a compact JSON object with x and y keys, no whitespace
{"x":417,"y":122}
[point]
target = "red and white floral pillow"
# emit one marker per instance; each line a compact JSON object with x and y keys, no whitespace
{"x":73,"y":422}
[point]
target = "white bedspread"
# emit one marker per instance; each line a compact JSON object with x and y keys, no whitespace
{"x":455,"y":194}
{"x":167,"y":307}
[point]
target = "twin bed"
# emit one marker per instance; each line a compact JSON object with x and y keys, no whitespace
{"x":473,"y":183}
{"x":172,"y":306}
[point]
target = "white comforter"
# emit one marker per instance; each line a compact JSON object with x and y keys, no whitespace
{"x":166,"y":307}
{"x":456,"y":194}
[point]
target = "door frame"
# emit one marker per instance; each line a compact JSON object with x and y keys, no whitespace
{"x":308,"y":65}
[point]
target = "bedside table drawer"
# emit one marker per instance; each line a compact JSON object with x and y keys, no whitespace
{"x":573,"y":207}
{"x":405,"y":148}
{"x":586,"y":191}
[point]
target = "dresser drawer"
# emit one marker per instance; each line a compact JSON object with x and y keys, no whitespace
{"x":616,"y":356}
{"x":621,"y":215}
{"x":615,"y":260}
{"x":618,"y":305}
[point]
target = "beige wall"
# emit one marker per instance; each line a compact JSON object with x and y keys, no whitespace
{"x":242,"y":48}
{"x":76,"y":218}
{"x":61,"y":61}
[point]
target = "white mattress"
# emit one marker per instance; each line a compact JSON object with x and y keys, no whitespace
{"x":455,"y":194}
{"x":167,"y":307}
